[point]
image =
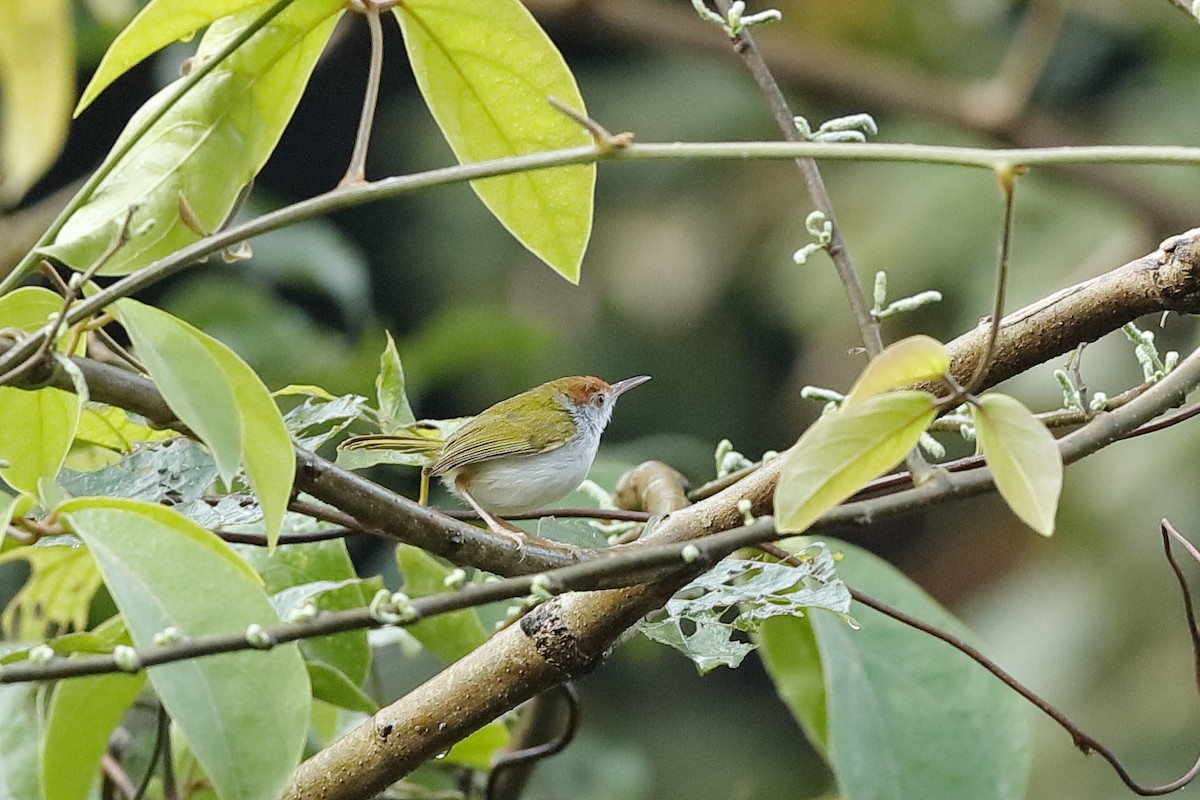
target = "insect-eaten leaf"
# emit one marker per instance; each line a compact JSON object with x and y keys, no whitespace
{"x":737,"y":595}
{"x":1023,"y":457}
{"x":844,"y":450}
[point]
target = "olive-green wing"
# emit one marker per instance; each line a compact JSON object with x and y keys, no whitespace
{"x":504,"y":433}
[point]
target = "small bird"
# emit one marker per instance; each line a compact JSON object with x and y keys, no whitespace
{"x":522,"y":453}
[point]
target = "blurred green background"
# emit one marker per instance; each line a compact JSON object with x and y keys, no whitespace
{"x":689,"y":278}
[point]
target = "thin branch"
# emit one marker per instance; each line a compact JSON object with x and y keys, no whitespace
{"x":634,"y":565}
{"x":69,"y":292}
{"x":260,"y":540}
{"x":868,"y":326}
{"x":512,"y":768}
{"x":350,"y":197}
{"x":1008,"y":185}
{"x":1189,"y":608}
{"x":1081,"y":740}
{"x":356,"y":172}
{"x":1088,"y":744}
{"x":160,"y":739}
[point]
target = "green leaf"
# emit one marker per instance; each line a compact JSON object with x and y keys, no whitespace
{"x":8,"y":509}
{"x":218,"y":396}
{"x":157,"y":25}
{"x":908,"y":361}
{"x":29,"y":308}
{"x":477,"y":749}
{"x":448,"y":636}
{"x":486,"y":70}
{"x":189,"y":377}
{"x":36,"y":435}
{"x":163,"y":570}
{"x":908,"y":716}
{"x":394,"y":409}
{"x":267,"y":453}
{"x":1023,"y":457}
{"x":321,"y":573}
{"x":58,"y":592}
{"x":19,"y":742}
{"x":37,"y":82}
{"x":844,"y":450}
{"x":175,"y":472}
{"x":82,"y":715}
{"x":788,"y":648}
{"x":333,"y":686}
{"x":321,"y":416}
{"x":111,"y":428}
{"x":206,"y":147}
{"x":698,"y":620}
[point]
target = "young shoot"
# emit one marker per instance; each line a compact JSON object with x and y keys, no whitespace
{"x":1154,"y":366}
{"x":737,"y":20}
{"x":821,"y":229}
{"x":882,"y":309}
{"x":853,"y":129}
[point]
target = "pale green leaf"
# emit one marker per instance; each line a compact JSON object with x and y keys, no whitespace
{"x":908,"y":361}
{"x":163,"y":570}
{"x":19,"y":742}
{"x":111,"y":428}
{"x":217,"y":395}
{"x":267,"y":453}
{"x":845,"y":450}
{"x":37,"y":85}
{"x":176,"y":472}
{"x":29,"y":308}
{"x":36,"y":434}
{"x":157,"y":25}
{"x":448,"y":636}
{"x":477,"y":749}
{"x":321,"y":416}
{"x":190,"y":378}
{"x":487,"y":70}
{"x":56,"y":595}
{"x":8,"y":509}
{"x":1023,"y":457}
{"x":82,"y":715}
{"x":206,"y":147}
{"x":392,"y":401}
{"x":904,"y":715}
{"x":335,"y":687}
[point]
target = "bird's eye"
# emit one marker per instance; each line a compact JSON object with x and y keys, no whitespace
{"x":598,"y":400}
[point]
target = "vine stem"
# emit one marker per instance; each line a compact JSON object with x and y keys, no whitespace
{"x":395,"y":186}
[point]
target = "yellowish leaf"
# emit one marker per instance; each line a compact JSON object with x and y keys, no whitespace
{"x":844,"y":450}
{"x":908,"y":361}
{"x":1024,"y":458}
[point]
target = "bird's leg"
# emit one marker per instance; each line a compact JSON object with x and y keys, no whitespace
{"x":424,"y":497}
{"x":496,"y":524}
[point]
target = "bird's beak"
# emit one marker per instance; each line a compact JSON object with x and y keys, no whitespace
{"x":620,"y":387}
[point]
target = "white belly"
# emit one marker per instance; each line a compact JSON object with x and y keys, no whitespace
{"x":519,"y":484}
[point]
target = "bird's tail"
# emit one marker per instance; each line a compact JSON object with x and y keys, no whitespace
{"x":403,"y":442}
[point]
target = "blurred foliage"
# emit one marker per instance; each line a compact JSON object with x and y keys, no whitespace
{"x":689,"y":278}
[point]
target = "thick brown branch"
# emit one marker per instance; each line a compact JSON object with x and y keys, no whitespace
{"x":1166,"y":280}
